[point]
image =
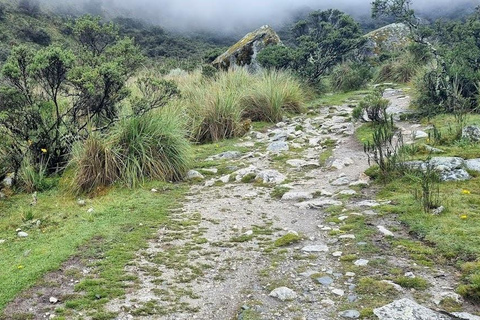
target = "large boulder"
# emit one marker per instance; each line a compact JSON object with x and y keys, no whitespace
{"x":245,"y":51}
{"x":387,"y":39}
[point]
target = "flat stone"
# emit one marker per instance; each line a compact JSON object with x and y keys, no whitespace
{"x":228,"y":155}
{"x":22,"y":234}
{"x":348,"y":192}
{"x":327,"y":302}
{"x":337,"y":254}
{"x":406,"y":309}
{"x":347,"y":236}
{"x":316,"y":248}
{"x":361,"y":262}
{"x":278,"y":146}
{"x":297,"y":195}
{"x":297,"y":163}
{"x":225,"y":178}
{"x":326,"y":281}
{"x":318,"y":203}
{"x":283,"y":294}
{"x":210,"y":183}
{"x":473,"y":164}
{"x":371,"y":203}
{"x":338,"y":292}
{"x":419,"y":134}
{"x":53,"y":300}
{"x":350,"y":314}
{"x":350,"y":274}
{"x":432,"y":149}
{"x":343,"y":181}
{"x":385,"y":231}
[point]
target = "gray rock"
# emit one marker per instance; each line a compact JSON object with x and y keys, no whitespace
{"x":297,"y":195}
{"x":350,"y":314}
{"x":438,"y":210}
{"x":343,"y":181}
{"x":455,"y":175}
{"x":440,"y":296}
{"x":361,"y":262}
{"x":352,"y":298}
{"x":228,"y":155}
{"x":278,"y":146}
{"x":406,"y":309}
{"x":318,"y":203}
{"x":348,"y":192}
{"x":471,"y":133}
{"x":194,"y":175}
{"x":283,"y":293}
{"x":81,"y":202}
{"x":465,"y":316}
{"x":53,"y":300}
{"x":446,"y":163}
{"x":432,"y":149}
{"x":326,"y":281}
{"x":473,"y":164}
{"x":385,"y":231}
{"x":297,"y":163}
{"x":420,"y":134}
{"x":271,"y":176}
{"x":22,"y":234}
{"x":316,"y":248}
{"x":338,"y":292}
{"x":8,"y":180}
{"x":280,"y":136}
{"x":245,"y":51}
{"x":239,"y":174}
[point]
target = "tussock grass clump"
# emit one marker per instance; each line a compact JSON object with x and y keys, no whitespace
{"x":400,"y":70}
{"x":152,"y":146}
{"x":350,"y":76}
{"x":213,"y":105}
{"x":272,"y":95}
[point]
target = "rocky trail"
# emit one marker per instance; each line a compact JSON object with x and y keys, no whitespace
{"x":242,"y":249}
{"x":287,"y":228}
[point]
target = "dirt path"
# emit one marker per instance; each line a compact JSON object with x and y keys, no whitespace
{"x":281,"y":234}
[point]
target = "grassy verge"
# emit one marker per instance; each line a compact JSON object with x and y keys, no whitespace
{"x":123,"y":220}
{"x":452,"y":236}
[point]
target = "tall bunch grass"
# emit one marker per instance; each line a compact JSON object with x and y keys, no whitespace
{"x":402,"y":69}
{"x":153,"y":146}
{"x":272,"y":95}
{"x":350,"y":76}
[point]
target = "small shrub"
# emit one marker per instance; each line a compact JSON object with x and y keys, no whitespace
{"x":429,"y":193}
{"x":375,"y":106}
{"x":415,"y":283}
{"x":287,"y":239}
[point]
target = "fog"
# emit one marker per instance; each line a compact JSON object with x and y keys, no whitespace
{"x":225,"y":16}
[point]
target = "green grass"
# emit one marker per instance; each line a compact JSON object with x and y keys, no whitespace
{"x":122,"y":222}
{"x":340,"y":98}
{"x":287,"y":239}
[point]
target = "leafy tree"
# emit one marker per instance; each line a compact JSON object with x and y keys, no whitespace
{"x":278,"y":57}
{"x":323,"y":40}
{"x":54,"y":96}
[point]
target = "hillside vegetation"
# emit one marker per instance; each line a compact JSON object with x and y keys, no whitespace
{"x":103,"y":120}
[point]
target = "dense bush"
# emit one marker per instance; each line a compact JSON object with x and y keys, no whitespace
{"x":36,"y":35}
{"x":350,"y":76}
{"x":276,"y":57}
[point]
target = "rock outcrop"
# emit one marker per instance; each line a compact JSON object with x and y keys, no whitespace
{"x":390,"y":38}
{"x":244,"y":52}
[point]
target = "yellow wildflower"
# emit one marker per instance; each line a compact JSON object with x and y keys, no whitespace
{"x":44,"y":150}
{"x":20,"y":267}
{"x":463,"y":217}
{"x":465,"y":191}
{"x":30,"y":142}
